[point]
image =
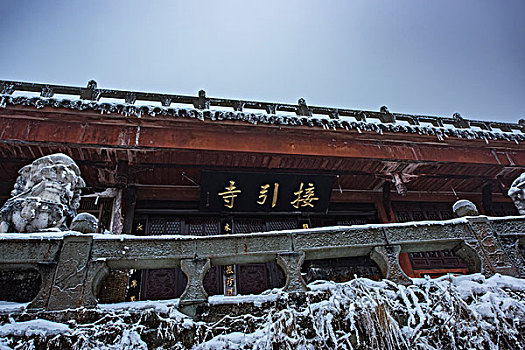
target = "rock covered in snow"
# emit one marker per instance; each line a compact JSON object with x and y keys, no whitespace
{"x":45,"y":195}
{"x":463,"y":312}
{"x":465,"y":207}
{"x":85,"y":223}
{"x":517,"y":193}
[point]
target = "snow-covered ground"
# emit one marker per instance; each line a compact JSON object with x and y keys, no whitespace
{"x":465,"y":312}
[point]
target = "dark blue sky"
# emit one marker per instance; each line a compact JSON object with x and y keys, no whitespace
{"x":420,"y":57}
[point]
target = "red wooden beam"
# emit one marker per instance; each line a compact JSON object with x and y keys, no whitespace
{"x":148,"y":133}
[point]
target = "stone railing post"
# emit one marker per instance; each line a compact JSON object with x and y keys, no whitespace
{"x":194,"y":294}
{"x":47,"y":273}
{"x":291,"y":264}
{"x":511,"y":246}
{"x":493,"y":256}
{"x":69,"y":286}
{"x":467,"y":252}
{"x":512,"y":235}
{"x":387,"y":258}
{"x":97,"y":271}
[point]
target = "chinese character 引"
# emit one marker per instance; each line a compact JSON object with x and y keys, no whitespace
{"x":263,"y":194}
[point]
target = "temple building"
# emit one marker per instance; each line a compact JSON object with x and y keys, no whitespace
{"x":163,"y":164}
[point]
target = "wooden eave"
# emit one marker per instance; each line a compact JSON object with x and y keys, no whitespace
{"x":153,"y":152}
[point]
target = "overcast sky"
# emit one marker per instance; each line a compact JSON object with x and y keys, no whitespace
{"x":417,"y":56}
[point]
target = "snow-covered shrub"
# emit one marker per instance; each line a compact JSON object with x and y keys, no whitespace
{"x":465,"y":312}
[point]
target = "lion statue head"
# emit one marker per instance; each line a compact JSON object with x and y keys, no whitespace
{"x":45,"y":196}
{"x":517,"y":193}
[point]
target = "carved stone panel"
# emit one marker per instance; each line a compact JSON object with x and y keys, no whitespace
{"x":509,"y":226}
{"x":491,"y":249}
{"x":68,"y":289}
{"x":515,"y":252}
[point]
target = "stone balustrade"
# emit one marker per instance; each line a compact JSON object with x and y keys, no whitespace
{"x":72,"y":265}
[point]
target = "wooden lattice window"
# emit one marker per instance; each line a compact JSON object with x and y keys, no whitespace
{"x":439,"y":259}
{"x":164,"y":226}
{"x":502,"y":209}
{"x":420,"y":211}
{"x":100,"y":208}
{"x":446,"y":214}
{"x":282,"y":224}
{"x":173,"y":227}
{"x":249,"y":225}
{"x":402,"y":216}
{"x":354,"y":221}
{"x":203,"y":226}
{"x":156,"y":226}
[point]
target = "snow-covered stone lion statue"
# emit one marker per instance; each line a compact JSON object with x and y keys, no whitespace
{"x":45,"y":197}
{"x":517,"y":193}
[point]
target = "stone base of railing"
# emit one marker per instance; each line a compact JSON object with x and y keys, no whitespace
{"x":194,"y":295}
{"x":72,"y":265}
{"x":387,"y":258}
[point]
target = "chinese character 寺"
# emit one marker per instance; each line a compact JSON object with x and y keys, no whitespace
{"x":230,"y":194}
{"x":230,"y":292}
{"x":263,"y":194}
{"x":227,"y":228}
{"x":304,"y":199}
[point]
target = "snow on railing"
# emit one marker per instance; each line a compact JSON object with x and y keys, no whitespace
{"x":72,"y":265}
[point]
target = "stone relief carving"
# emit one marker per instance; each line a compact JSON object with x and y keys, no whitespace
{"x":517,"y":193}
{"x":45,"y":197}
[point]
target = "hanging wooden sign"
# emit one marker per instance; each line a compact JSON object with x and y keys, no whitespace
{"x":268,"y":192}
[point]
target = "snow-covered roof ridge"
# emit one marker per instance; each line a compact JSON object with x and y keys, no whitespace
{"x":205,"y":108}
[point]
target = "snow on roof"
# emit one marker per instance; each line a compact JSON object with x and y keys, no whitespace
{"x":282,"y":119}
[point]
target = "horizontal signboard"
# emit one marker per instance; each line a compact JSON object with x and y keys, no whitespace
{"x":270,"y":192}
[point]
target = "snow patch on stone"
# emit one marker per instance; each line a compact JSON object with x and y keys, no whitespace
{"x":34,"y":327}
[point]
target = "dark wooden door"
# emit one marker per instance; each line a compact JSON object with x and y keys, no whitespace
{"x":256,"y":278}
{"x":159,"y":284}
